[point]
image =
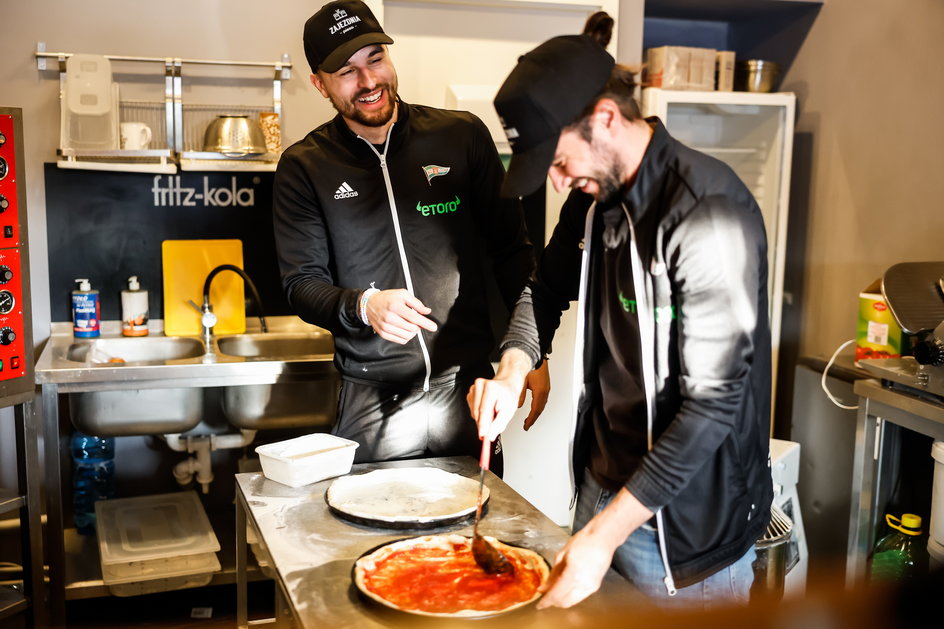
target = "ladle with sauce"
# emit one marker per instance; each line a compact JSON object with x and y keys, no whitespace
{"x":489,"y":558}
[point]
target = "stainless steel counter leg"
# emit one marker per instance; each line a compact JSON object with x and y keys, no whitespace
{"x":863,"y":492}
{"x":55,"y":525}
{"x":283,"y":611}
{"x":242,"y":615}
{"x":30,"y":482}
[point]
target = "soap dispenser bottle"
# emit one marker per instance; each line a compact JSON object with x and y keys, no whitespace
{"x":134,"y":309}
{"x":86,"y":311}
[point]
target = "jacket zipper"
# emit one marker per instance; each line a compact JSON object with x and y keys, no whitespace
{"x":578,"y":377}
{"x":647,"y":344}
{"x":396,"y":228}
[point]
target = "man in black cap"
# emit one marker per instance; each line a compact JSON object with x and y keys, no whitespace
{"x":666,"y":251}
{"x":385,"y":219}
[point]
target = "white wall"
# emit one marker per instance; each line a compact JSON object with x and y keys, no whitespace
{"x":869,"y":85}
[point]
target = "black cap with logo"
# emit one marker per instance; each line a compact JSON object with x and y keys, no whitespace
{"x":337,"y":31}
{"x":544,"y":93}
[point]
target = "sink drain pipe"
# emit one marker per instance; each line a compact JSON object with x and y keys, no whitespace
{"x":201,"y":446}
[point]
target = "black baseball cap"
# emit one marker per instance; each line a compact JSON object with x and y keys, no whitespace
{"x":544,"y":93}
{"x":337,"y":31}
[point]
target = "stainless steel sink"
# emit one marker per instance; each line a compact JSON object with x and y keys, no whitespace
{"x":159,"y":384}
{"x":278,"y":345}
{"x":149,"y":349}
{"x":135,"y":411}
{"x":308,"y":402}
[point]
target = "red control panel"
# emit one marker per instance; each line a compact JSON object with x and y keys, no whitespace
{"x":14,"y":272}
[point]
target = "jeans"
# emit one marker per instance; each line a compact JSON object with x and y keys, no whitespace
{"x":639,"y":560}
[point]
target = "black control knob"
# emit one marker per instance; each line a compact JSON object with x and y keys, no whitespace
{"x":6,"y":274}
{"x":929,"y":352}
{"x":4,"y":203}
{"x":7,"y":336}
{"x":3,"y":168}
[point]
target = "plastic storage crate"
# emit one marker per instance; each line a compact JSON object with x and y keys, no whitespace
{"x":155,"y":543}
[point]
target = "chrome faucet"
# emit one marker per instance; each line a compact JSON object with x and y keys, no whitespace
{"x":208,"y":318}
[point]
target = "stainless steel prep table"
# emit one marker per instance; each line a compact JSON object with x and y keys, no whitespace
{"x":311,"y":551}
{"x":878,"y":406}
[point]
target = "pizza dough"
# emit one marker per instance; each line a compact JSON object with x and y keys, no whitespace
{"x":436,"y":575}
{"x":406,"y":496}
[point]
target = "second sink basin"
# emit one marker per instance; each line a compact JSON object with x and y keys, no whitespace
{"x":278,"y":345}
{"x":312,"y":402}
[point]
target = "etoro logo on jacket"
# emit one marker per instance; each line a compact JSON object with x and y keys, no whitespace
{"x":438,"y":208}
{"x":663,"y":313}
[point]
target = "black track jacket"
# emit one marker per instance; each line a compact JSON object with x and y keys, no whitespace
{"x":700,"y":279}
{"x":421,"y":212}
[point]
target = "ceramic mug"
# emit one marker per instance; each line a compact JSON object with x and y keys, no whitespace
{"x":135,"y":136}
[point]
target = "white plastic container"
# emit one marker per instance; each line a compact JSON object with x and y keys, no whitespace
{"x":308,"y":459}
{"x":935,"y":556}
{"x":155,"y":543}
{"x":89,"y":116}
{"x":134,"y":309}
{"x":936,"y":527}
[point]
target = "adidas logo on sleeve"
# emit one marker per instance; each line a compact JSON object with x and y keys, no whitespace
{"x":345,"y":191}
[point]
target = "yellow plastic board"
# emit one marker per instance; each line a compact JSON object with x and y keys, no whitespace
{"x":187,"y":263}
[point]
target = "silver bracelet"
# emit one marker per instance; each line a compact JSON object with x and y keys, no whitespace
{"x":362,"y":305}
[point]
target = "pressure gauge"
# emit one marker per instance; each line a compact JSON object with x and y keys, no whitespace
{"x":7,"y":301}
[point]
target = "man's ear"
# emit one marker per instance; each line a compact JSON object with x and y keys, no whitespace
{"x":606,"y":114}
{"x":318,"y":83}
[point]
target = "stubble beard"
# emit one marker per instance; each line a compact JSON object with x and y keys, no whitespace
{"x":610,"y":176}
{"x":373,"y":119}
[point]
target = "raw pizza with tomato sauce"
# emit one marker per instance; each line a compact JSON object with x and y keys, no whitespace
{"x":436,"y":575}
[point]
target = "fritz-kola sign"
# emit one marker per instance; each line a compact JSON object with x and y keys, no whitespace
{"x":168,"y":192}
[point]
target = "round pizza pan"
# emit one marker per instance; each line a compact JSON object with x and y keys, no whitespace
{"x":416,"y":490}
{"x":388,"y":607}
{"x":407,"y":525}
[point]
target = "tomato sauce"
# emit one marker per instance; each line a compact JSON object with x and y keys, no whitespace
{"x":438,"y":580}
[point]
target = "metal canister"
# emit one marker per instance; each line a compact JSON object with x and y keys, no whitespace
{"x":770,"y":567}
{"x":756,"y":75}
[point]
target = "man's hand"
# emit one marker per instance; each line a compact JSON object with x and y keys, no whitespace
{"x":397,"y":316}
{"x":539,"y":382}
{"x":493,"y":402}
{"x":582,"y":563}
{"x":578,"y":571}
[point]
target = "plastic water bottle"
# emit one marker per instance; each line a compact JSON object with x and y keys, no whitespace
{"x":93,"y":477}
{"x":901,"y":554}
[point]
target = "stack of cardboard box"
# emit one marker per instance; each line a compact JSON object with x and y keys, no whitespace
{"x":688,"y":68}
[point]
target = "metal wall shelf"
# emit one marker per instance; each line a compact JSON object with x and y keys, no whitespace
{"x":180,"y":125}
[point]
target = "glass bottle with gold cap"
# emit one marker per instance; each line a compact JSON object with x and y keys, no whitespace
{"x":900,"y":554}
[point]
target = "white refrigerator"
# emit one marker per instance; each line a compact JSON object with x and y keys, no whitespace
{"x":753,"y":133}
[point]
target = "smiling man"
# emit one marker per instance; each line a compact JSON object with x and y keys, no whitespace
{"x":665,"y":250}
{"x":385,"y":218}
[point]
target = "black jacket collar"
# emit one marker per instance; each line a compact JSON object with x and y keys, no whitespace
{"x":648,"y":183}
{"x":396,"y":138}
